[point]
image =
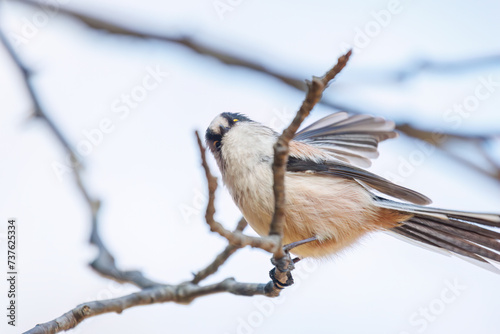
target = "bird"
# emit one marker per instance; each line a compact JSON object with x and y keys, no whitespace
{"x":332,"y":200}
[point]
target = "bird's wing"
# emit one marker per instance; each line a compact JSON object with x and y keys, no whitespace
{"x":300,"y":163}
{"x":350,"y":138}
{"x":341,"y":141}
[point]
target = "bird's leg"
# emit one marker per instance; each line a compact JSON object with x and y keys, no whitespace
{"x":286,"y":263}
{"x":292,"y":245}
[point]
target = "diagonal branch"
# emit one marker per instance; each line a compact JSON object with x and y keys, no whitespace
{"x":221,"y":258}
{"x":314,"y":93}
{"x":120,"y":29}
{"x":439,"y":139}
{"x":104,"y":262}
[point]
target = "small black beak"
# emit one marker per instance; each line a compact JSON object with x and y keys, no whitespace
{"x":223,"y":130}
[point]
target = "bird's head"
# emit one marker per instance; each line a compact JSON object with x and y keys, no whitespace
{"x":239,"y":143}
{"x":219,"y":128}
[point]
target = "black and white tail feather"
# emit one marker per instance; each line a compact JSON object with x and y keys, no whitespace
{"x":463,"y":233}
{"x":351,"y":141}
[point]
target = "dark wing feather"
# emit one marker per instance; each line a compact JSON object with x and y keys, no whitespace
{"x":296,"y":164}
{"x":353,"y":138}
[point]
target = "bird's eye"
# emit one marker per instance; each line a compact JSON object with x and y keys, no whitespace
{"x":235,"y":120}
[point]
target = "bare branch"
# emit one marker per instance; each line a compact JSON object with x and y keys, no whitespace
{"x":439,"y":139}
{"x":119,"y":29}
{"x":183,"y":294}
{"x":314,"y":93}
{"x":410,"y":71}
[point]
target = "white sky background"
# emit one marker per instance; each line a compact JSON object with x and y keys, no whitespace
{"x":146,"y":170}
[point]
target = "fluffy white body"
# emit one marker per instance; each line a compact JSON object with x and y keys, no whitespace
{"x":336,"y":210}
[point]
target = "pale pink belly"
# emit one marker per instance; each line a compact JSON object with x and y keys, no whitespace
{"x":335,"y":210}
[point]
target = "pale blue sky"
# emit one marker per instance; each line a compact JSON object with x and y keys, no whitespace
{"x":146,"y":168}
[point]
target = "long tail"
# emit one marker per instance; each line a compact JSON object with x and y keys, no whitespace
{"x":463,"y":233}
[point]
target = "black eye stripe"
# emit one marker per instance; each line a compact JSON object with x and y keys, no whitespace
{"x":210,"y":136}
{"x":214,"y":138}
{"x":232,"y":118}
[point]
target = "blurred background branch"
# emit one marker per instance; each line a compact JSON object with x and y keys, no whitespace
{"x":104,"y":263}
{"x":406,"y":73}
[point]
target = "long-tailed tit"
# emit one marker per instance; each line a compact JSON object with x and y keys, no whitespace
{"x":330,"y":197}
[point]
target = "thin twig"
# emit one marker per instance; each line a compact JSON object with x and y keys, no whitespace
{"x":221,"y":258}
{"x":235,"y":238}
